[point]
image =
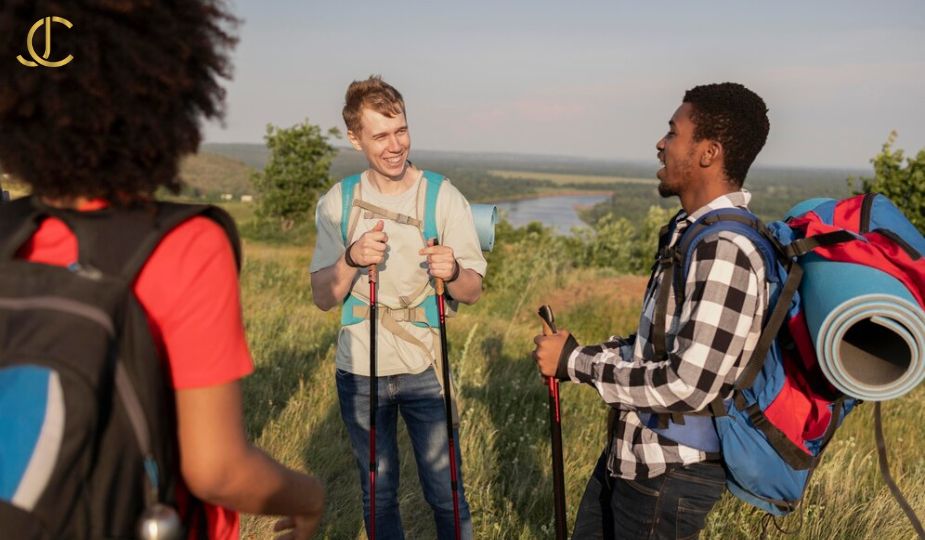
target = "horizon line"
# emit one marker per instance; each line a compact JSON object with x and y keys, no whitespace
{"x":618,"y":160}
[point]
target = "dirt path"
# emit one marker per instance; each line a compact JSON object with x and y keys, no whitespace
{"x":615,"y":289}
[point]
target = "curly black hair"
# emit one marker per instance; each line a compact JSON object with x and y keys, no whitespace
{"x":734,"y":116}
{"x":114,"y":122}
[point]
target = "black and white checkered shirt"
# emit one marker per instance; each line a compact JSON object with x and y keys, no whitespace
{"x":709,"y":334}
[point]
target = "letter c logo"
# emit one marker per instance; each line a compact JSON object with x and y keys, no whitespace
{"x":43,"y":60}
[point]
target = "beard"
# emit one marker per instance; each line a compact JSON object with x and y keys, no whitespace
{"x":675,"y":176}
{"x":665,"y":190}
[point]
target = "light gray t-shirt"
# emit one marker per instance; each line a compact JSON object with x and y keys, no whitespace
{"x":402,"y":273}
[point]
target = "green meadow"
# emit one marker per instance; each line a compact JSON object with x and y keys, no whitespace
{"x":292,"y":412}
{"x":291,"y":403}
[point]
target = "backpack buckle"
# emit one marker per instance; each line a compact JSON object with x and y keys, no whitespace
{"x":667,"y":256}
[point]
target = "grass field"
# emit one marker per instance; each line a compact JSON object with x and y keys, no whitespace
{"x":574,"y":179}
{"x":292,"y":410}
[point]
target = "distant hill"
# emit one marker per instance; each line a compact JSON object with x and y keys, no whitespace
{"x":349,"y":161}
{"x":210,"y":173}
{"x":253,"y":155}
{"x":488,"y":177}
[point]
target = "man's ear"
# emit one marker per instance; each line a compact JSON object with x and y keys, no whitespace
{"x":712,"y":153}
{"x":354,"y":140}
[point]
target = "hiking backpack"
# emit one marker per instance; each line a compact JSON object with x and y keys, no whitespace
{"x":784,"y":410}
{"x":422,"y":311}
{"x":87,"y":420}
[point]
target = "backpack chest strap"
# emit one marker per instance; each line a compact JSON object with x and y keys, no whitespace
{"x":425,"y":204}
{"x":421,"y":313}
{"x":407,"y":314}
{"x":373,"y":211}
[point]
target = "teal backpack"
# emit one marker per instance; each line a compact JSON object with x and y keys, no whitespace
{"x":422,"y":309}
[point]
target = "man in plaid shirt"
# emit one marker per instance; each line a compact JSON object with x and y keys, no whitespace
{"x":647,"y":485}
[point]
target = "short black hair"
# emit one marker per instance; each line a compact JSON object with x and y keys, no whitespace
{"x":734,"y":116}
{"x":114,"y":122}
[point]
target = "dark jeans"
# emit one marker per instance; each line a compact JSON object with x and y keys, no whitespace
{"x":673,"y":505}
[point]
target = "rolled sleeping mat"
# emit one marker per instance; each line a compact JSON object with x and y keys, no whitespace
{"x":485,"y":217}
{"x":868,"y":330}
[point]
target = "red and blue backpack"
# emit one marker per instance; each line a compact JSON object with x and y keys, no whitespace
{"x":784,"y":409}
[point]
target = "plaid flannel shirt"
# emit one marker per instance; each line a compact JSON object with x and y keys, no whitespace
{"x":709,"y":334}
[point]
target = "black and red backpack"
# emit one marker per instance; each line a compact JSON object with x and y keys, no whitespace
{"x":87,"y":421}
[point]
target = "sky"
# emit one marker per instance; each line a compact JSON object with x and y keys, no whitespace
{"x":596,"y":79}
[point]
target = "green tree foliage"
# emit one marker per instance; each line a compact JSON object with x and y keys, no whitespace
{"x":903,"y":183}
{"x":296,"y":173}
{"x":608,"y":245}
{"x":612,"y":243}
{"x":618,"y":243}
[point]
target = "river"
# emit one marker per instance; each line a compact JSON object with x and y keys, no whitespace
{"x":558,"y":211}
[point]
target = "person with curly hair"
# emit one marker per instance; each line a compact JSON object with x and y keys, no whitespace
{"x":108,"y":130}
{"x":653,"y":480}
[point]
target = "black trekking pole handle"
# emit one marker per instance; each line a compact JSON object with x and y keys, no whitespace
{"x":373,"y":397}
{"x":440,"y":287}
{"x":555,"y":433}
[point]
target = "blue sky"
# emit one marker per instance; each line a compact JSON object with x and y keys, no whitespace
{"x":593,"y":78}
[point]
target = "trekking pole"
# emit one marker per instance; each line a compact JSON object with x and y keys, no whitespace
{"x":448,"y":400}
{"x":373,"y":398}
{"x":555,"y":433}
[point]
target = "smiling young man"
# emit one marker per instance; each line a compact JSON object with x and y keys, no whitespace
{"x":381,"y":218}
{"x":647,"y":484}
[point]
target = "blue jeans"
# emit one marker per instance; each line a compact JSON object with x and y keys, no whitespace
{"x":673,"y":505}
{"x":418,"y":399}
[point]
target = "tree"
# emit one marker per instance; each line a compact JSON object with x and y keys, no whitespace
{"x":903,"y":184}
{"x":296,"y":173}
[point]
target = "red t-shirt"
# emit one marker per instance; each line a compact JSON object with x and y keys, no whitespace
{"x":189,"y":290}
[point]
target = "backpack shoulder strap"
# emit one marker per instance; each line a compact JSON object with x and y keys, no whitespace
{"x":118,"y":241}
{"x":18,"y":221}
{"x":170,"y":216}
{"x":434,"y":181}
{"x":737,"y":220}
{"x":779,"y":269}
{"x":347,"y":187}
{"x":676,"y":261}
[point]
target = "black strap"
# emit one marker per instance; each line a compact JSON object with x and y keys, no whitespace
{"x":803,"y":246}
{"x":771,"y":328}
{"x":667,"y":260}
{"x":612,"y":416}
{"x":168,"y":217}
{"x":888,"y":478}
{"x":792,"y":454}
{"x":867,"y":206}
{"x":118,"y":241}
{"x":901,"y":242}
{"x":18,"y":221}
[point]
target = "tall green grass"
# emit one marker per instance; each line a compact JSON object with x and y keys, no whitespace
{"x":292,"y":411}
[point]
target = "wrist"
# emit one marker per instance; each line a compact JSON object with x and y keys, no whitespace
{"x":456,"y":270}
{"x":567,"y":349}
{"x":348,"y":259}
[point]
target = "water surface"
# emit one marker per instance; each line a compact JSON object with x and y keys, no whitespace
{"x":559,"y":211}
